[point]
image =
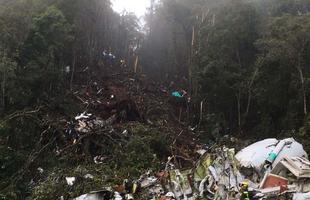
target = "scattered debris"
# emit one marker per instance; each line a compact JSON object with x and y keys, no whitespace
{"x":271,"y":180}
{"x":298,"y":166}
{"x":129,"y":197}
{"x":169,"y":195}
{"x":40,"y":170}
{"x":297,"y":169}
{"x":99,"y":195}
{"x":270,"y":152}
{"x":274,"y":192}
{"x":273,"y":159}
{"x":70,"y":180}
{"x":267,"y":169}
{"x":117,"y":196}
{"x":99,"y":159}
{"x":89,"y":176}
{"x":218,"y":174}
{"x":83,"y":115}
{"x":301,"y":196}
{"x":201,"y":151}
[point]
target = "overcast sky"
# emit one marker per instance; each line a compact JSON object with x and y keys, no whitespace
{"x":136,"y":6}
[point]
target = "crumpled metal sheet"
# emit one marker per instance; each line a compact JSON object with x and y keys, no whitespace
{"x":216,"y":175}
{"x":255,"y":155}
{"x":180,"y":184}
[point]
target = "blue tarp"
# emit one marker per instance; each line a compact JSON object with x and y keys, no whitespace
{"x":176,"y":94}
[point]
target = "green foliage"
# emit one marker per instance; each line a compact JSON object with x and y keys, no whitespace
{"x":303,"y":134}
{"x":137,"y":158}
{"x":38,"y":39}
{"x":249,"y":61}
{"x":143,"y":151}
{"x":226,"y":59}
{"x":48,"y":36}
{"x":8,"y":77}
{"x":279,"y":87}
{"x":55,"y":185}
{"x":42,"y":53}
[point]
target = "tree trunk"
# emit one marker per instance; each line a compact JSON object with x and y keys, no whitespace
{"x":302,"y":80}
{"x":239,"y":93}
{"x":250,"y":91}
{"x":3,"y":90}
{"x":151,"y":18}
{"x":239,"y":109}
{"x":175,"y":47}
{"x":73,"y":70}
{"x":190,"y":59}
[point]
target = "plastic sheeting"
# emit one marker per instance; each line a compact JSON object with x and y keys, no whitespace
{"x":176,"y":94}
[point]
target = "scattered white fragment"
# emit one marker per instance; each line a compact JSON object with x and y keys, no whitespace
{"x":89,"y":176}
{"x":201,"y":151}
{"x":129,"y":197}
{"x":83,"y":115}
{"x":301,"y":196}
{"x":125,"y":132}
{"x":67,"y":69}
{"x":40,"y":170}
{"x":117,"y":196}
{"x":70,"y":180}
{"x":99,"y":159}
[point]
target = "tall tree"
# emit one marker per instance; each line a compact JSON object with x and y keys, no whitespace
{"x":226,"y":58}
{"x":42,"y":56}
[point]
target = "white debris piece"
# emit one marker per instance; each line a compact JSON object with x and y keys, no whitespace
{"x":95,"y":195}
{"x":117,"y":196}
{"x":298,"y":166}
{"x":129,"y":197}
{"x":125,"y":133}
{"x":301,"y":196}
{"x":201,"y":151}
{"x":67,"y":69}
{"x":83,"y":115}
{"x":40,"y":170}
{"x":99,"y":159}
{"x":147,"y":182}
{"x":89,"y":176}
{"x":255,"y":155}
{"x":294,"y":149}
{"x":70,"y":180}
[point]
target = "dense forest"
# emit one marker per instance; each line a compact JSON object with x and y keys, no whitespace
{"x":243,"y":63}
{"x":247,"y":60}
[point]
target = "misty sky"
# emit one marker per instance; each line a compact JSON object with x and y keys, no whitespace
{"x":136,"y":6}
